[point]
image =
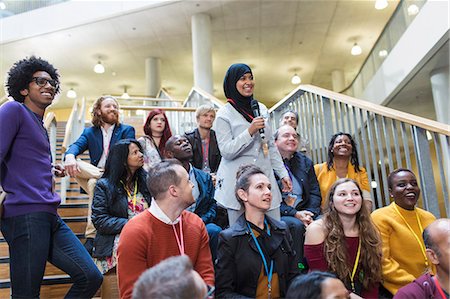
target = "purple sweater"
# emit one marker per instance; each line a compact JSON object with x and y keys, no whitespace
{"x":25,"y":163}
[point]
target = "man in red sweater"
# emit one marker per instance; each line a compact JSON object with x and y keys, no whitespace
{"x":164,"y":230}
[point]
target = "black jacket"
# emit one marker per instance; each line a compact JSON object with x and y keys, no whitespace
{"x":214,"y":156}
{"x":303,"y":169}
{"x":239,"y":263}
{"x":110,"y":214}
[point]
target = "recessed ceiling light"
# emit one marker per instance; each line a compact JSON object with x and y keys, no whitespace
{"x":413,"y":10}
{"x":383,"y":53}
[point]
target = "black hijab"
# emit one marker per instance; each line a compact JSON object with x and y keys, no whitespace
{"x":238,"y":101}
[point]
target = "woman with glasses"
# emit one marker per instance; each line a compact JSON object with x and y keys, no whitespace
{"x":157,"y":132}
{"x":255,"y":256}
{"x":345,"y":241}
{"x":119,"y":195}
{"x":342,"y":162}
{"x":244,"y":137}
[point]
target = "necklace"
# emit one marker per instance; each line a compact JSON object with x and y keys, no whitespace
{"x":422,"y":246}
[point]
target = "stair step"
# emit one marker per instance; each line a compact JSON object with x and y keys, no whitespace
{"x":51,"y":287}
{"x":50,"y":270}
{"x":73,"y":209}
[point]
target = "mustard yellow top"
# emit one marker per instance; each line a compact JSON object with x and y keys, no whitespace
{"x":327,"y":177}
{"x":402,"y":260}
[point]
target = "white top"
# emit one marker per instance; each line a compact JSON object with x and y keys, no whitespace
{"x":156,"y":211}
{"x":107,"y":135}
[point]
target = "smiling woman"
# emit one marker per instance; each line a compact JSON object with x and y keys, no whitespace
{"x":342,"y":162}
{"x":401,"y":225}
{"x":345,"y":241}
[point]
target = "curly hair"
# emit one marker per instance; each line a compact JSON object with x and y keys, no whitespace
{"x":21,"y":74}
{"x":353,"y":157}
{"x":335,"y":248}
{"x":167,"y":133}
{"x":97,"y":120}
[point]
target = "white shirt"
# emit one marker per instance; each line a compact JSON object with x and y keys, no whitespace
{"x":107,"y":135}
{"x":156,"y":211}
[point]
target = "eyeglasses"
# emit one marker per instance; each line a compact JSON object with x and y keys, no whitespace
{"x":210,"y":293}
{"x":41,"y":81}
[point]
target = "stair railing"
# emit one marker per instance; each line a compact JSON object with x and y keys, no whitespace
{"x":386,"y":139}
{"x":50,"y":126}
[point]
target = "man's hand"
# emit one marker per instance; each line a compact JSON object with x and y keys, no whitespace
{"x":71,"y":165}
{"x":290,"y":200}
{"x":58,"y":170}
{"x":305,"y":216}
{"x":287,"y":184}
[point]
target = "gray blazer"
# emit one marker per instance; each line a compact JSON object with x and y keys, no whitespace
{"x":238,"y":147}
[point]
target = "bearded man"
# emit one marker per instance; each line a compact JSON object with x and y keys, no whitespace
{"x":98,"y":139}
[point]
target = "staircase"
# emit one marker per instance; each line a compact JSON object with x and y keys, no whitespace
{"x":74,"y":213}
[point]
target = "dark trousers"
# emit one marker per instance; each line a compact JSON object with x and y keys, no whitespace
{"x":213,"y":233}
{"x":36,"y":238}
{"x":297,"y":230}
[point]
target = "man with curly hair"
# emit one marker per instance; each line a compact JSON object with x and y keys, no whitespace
{"x":106,"y":130}
{"x":30,"y":223}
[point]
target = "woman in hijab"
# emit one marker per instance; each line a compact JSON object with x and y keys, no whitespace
{"x":240,"y":140}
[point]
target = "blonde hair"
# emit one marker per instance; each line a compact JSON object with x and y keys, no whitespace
{"x":203,"y":109}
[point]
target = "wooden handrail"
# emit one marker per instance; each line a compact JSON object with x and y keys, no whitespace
{"x":411,"y":119}
{"x":68,"y":130}
{"x":49,"y":119}
{"x":184,"y":109}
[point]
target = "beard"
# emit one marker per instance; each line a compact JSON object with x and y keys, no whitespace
{"x":110,"y":118}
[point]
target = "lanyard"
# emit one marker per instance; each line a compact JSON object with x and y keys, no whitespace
{"x":422,"y":246}
{"x":133,"y":197}
{"x":438,"y":286}
{"x":268,"y":272}
{"x":180,"y":240}
{"x":355,"y":265}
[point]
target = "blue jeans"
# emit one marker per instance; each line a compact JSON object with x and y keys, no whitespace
{"x":39,"y":237}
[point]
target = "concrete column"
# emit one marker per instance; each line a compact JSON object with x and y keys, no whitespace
{"x":338,"y":80}
{"x":152,"y":76}
{"x":440,"y":89}
{"x":201,"y":52}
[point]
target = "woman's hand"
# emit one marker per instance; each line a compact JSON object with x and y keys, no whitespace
{"x":287,"y":184}
{"x":257,"y":123}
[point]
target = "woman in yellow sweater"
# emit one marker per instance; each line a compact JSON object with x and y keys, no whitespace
{"x":401,"y":225}
{"x":342,"y":162}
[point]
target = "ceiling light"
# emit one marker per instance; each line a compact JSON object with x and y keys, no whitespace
{"x":2,"y":5}
{"x":125,"y":94}
{"x":356,"y":50}
{"x":99,"y":68}
{"x":71,"y":94}
{"x":381,"y":4}
{"x":383,"y":53}
{"x":413,"y":10}
{"x":296,"y":79}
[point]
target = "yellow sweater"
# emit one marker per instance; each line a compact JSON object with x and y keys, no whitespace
{"x":326,"y":178}
{"x":402,"y":260}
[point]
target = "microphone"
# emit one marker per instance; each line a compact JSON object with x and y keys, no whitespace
{"x":255,"y":108}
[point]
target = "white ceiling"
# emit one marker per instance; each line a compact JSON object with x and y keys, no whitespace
{"x":273,"y":37}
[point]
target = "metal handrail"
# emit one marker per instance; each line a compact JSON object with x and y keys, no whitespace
{"x":50,"y":126}
{"x":386,"y":139}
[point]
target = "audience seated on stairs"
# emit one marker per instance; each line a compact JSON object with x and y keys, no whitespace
{"x":345,"y":241}
{"x":401,"y":226}
{"x":302,"y":205}
{"x":178,"y":147}
{"x":342,"y":162}
{"x":106,"y":130}
{"x":165,"y":230}
{"x":30,"y":223}
{"x":119,"y":195}
{"x":157,"y":132}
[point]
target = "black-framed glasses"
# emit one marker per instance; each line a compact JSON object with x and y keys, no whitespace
{"x":210,"y":293}
{"x":41,"y":81}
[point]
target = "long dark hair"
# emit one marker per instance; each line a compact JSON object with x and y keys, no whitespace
{"x":308,"y":285}
{"x":167,"y":133}
{"x":116,"y":168}
{"x":354,"y":156}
